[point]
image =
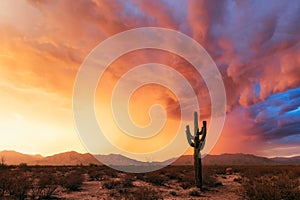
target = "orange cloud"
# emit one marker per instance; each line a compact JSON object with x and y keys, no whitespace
{"x":43,"y":44}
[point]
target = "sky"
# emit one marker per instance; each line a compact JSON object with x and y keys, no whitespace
{"x":255,"y":45}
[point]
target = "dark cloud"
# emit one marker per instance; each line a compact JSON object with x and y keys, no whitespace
{"x":278,"y":117}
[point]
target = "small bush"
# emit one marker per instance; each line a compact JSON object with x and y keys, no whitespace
{"x":141,"y":176}
{"x":172,"y":176}
{"x":96,"y":175}
{"x":211,"y":181}
{"x":238,"y":180}
{"x":112,"y":184}
{"x":23,"y":165}
{"x":187,"y":185}
{"x":173,"y":193}
{"x":5,"y":182}
{"x":195,"y":193}
{"x":146,"y":193}
{"x":19,"y":185}
{"x":72,"y":181}
{"x":156,"y":179}
{"x":127,"y":182}
{"x":46,"y":186}
{"x":186,"y":179}
{"x":93,"y":165}
{"x":113,"y":173}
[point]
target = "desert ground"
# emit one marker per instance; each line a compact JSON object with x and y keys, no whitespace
{"x":172,"y":182}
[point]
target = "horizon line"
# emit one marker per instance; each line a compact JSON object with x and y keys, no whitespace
{"x":68,"y":151}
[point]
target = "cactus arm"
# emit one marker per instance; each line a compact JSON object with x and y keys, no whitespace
{"x":189,"y":136}
{"x":203,"y":132}
{"x":203,"y":135}
{"x":196,"y":129}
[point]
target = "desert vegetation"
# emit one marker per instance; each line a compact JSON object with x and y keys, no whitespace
{"x":37,"y":182}
{"x":271,"y":182}
{"x":172,"y":182}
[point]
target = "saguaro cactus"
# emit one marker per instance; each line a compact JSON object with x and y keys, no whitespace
{"x":197,"y":141}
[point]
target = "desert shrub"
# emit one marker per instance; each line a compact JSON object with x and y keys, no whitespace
{"x":145,"y":193}
{"x":195,"y":193}
{"x":72,"y":181}
{"x":210,"y":180}
{"x":93,"y":165}
{"x":258,"y":171}
{"x":221,"y":170}
{"x":172,"y":175}
{"x":127,"y":181}
{"x":111,"y":172}
{"x":156,"y":178}
{"x":187,"y":185}
{"x":96,"y":175}
{"x":23,"y":165}
{"x":119,"y":189}
{"x":44,"y":186}
{"x":120,"y":193}
{"x":296,"y":171}
{"x":187,"y":178}
{"x":114,"y":193}
{"x":268,"y":186}
{"x":5,"y":182}
{"x":19,"y":185}
{"x":140,"y":176}
{"x":113,"y":184}
{"x":3,"y":166}
{"x":238,"y":180}
{"x":173,"y":193}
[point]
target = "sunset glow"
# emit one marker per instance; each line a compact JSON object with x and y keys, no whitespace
{"x":255,"y":45}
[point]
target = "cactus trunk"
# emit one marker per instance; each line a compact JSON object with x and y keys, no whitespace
{"x":198,"y":171}
{"x":197,"y":156}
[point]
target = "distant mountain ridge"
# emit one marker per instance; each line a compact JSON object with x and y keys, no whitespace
{"x":15,"y":158}
{"x":66,"y":158}
{"x":291,"y":161}
{"x":74,"y":158}
{"x":227,"y":159}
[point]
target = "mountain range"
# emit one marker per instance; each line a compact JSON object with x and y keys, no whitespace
{"x":74,"y":158}
{"x":66,"y":158}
